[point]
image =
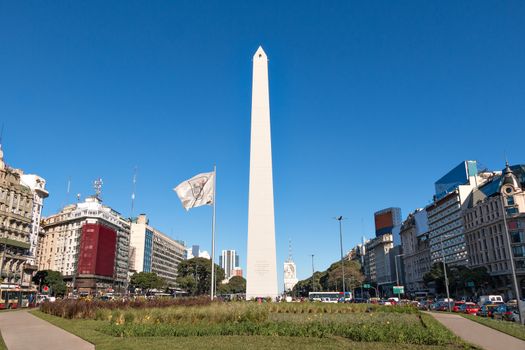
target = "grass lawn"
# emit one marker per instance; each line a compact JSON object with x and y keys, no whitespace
{"x":511,"y":328}
{"x":2,"y":344}
{"x":86,"y":329}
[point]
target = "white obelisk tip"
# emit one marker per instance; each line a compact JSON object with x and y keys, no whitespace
{"x":260,"y":54}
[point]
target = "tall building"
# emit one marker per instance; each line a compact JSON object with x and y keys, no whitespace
{"x":228,"y":260}
{"x":385,"y":220}
{"x":153,"y":251}
{"x":88,"y":243}
{"x":38,"y":188}
{"x":18,"y":224}
{"x":445,"y":218}
{"x":416,"y":252}
{"x":195,"y":250}
{"x":261,"y":274}
{"x":498,"y":202}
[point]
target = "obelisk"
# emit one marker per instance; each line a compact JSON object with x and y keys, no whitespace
{"x":261,"y":274}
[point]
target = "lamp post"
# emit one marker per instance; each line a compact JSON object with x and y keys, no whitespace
{"x":340,"y":219}
{"x":397,"y":275}
{"x":445,"y":271}
{"x":512,"y":266}
{"x":313,"y":271}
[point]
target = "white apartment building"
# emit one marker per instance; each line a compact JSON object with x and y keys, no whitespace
{"x":228,"y":260}
{"x":38,"y":188}
{"x":153,"y":251}
{"x":88,"y":243}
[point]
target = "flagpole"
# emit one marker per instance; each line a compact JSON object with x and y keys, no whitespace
{"x":212,"y":289}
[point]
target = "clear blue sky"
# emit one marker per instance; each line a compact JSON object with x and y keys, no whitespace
{"x":371,"y":102}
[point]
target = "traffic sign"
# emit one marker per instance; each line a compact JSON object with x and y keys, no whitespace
{"x":399,"y":290}
{"x":366,"y":285}
{"x":45,"y":288}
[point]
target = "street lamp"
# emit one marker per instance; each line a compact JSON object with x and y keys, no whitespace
{"x":340,"y":219}
{"x":512,"y":266}
{"x":397,"y":275}
{"x":445,"y":271}
{"x":313,"y":271}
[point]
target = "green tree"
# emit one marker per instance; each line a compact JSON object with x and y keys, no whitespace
{"x":236,"y":285}
{"x":332,"y":279}
{"x":53,"y":279}
{"x":194,"y":276}
{"x":147,"y":280}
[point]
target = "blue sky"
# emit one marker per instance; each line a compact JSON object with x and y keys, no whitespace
{"x":371,"y":102}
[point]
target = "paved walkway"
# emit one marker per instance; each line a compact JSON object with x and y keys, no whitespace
{"x":478,"y":334}
{"x":23,"y":331}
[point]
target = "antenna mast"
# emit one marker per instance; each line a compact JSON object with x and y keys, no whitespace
{"x":133,"y":192}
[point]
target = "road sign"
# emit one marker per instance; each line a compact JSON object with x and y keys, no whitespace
{"x":45,"y":288}
{"x":366,"y":285}
{"x":470,"y":284}
{"x":399,"y":290}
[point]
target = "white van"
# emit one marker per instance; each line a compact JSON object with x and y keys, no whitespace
{"x":490,"y":299}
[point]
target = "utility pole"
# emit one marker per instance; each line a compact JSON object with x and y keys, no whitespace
{"x":445,"y":271}
{"x":313,"y":271}
{"x":512,"y":266}
{"x":340,"y":219}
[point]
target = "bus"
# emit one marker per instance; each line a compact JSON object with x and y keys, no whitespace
{"x":329,"y":297}
{"x":14,"y":298}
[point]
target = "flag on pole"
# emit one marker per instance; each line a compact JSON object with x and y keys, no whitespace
{"x":197,"y":191}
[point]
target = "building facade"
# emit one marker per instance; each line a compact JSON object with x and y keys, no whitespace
{"x":445,"y":214}
{"x":385,"y":220}
{"x":228,"y":260}
{"x":153,"y":251}
{"x":17,"y":214}
{"x":38,"y":188}
{"x":88,"y":243}
{"x":495,"y":215}
{"x":416,"y":252}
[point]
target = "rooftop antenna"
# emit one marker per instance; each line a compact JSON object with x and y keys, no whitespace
{"x":289,"y":250}
{"x":133,"y":192}
{"x":97,"y":185}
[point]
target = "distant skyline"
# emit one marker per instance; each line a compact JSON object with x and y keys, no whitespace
{"x":371,"y":103}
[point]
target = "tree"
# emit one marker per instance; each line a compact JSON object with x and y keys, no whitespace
{"x":332,"y":279}
{"x":194,"y":276}
{"x":53,"y":279}
{"x":147,"y":280}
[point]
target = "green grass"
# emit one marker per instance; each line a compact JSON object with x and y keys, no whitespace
{"x":87,"y":329}
{"x":2,"y":344}
{"x":511,"y":328}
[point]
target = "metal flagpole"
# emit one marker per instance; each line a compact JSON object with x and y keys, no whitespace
{"x":212,"y":289}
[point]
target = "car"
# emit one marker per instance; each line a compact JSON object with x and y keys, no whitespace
{"x":470,"y":308}
{"x":486,"y":310}
{"x":444,"y":306}
{"x":504,"y":312}
{"x":457,"y":306}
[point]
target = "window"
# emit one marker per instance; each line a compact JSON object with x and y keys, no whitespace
{"x":518,"y":251}
{"x":517,"y":237}
{"x":510,"y":200}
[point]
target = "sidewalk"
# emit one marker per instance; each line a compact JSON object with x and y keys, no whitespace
{"x":23,"y":331}
{"x":478,"y":334}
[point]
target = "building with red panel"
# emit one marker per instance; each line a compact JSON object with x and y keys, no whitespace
{"x":88,"y":243}
{"x":386,"y":220}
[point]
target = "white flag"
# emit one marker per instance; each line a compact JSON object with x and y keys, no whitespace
{"x":197,"y":191}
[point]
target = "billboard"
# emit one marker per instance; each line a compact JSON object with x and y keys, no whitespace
{"x":386,"y":219}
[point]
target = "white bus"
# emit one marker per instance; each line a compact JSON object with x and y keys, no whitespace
{"x":329,"y":297}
